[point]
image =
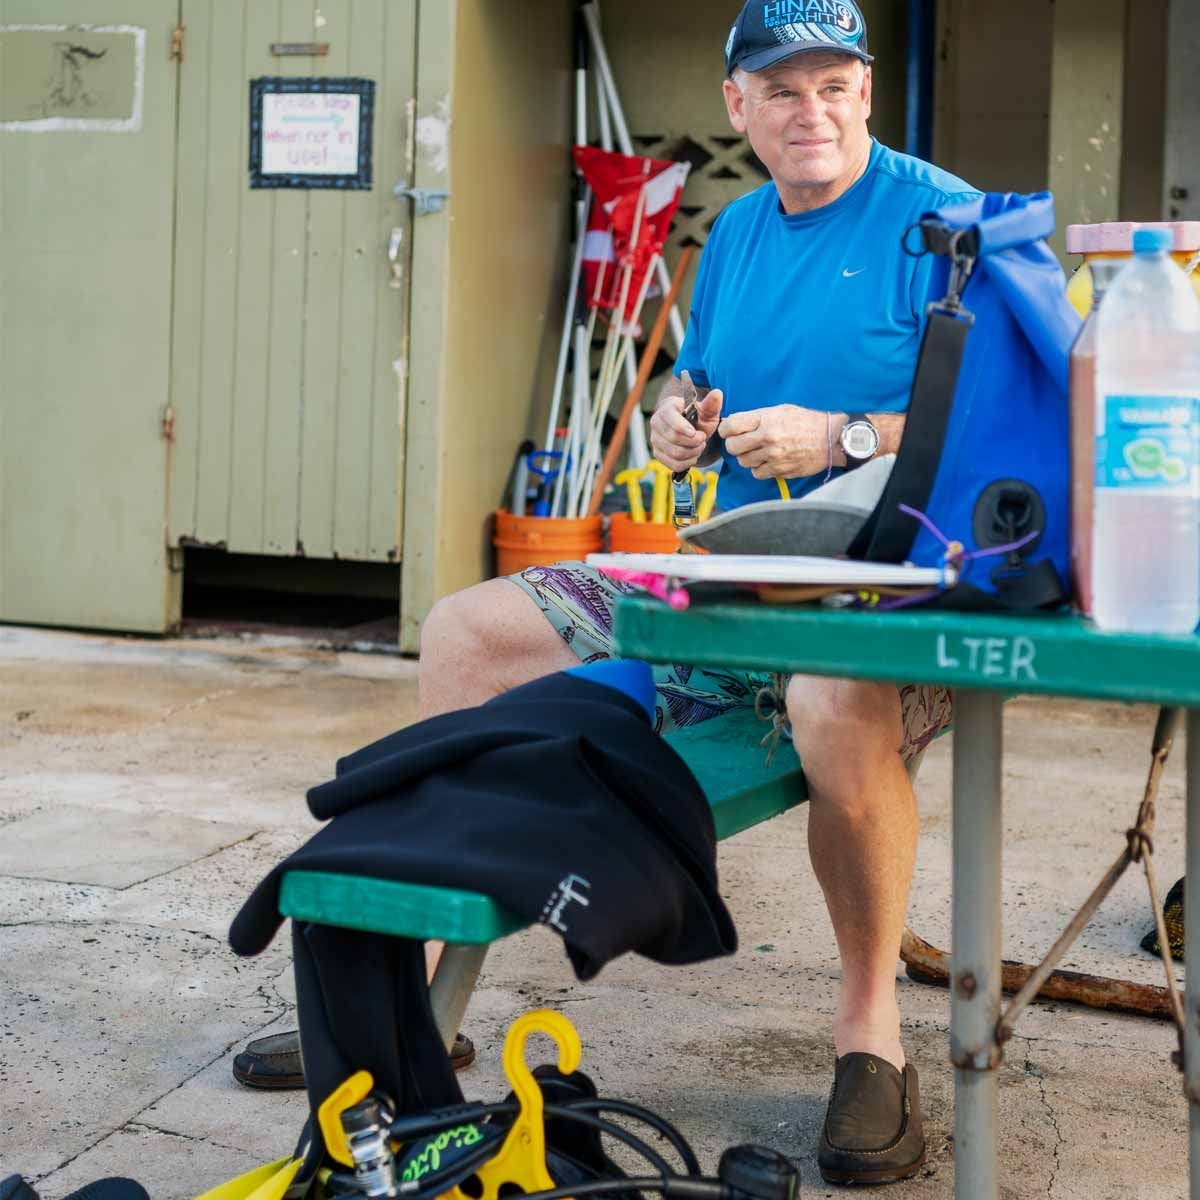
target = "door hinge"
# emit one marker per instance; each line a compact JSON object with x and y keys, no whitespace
{"x":168,"y":424}
{"x":176,"y":53}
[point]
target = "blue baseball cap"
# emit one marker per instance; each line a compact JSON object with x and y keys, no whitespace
{"x":768,"y":31}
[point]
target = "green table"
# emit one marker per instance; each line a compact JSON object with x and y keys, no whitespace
{"x":985,"y":658}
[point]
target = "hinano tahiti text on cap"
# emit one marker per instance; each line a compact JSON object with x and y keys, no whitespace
{"x":768,"y":31}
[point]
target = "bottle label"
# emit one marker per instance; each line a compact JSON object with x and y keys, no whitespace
{"x":1148,"y":443}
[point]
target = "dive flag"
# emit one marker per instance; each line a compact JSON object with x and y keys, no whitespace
{"x":618,"y":183}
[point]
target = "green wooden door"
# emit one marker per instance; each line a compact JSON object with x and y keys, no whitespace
{"x":87,"y":162}
{"x":290,"y":314}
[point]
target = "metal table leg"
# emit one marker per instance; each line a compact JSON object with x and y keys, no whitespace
{"x":975,"y":982}
{"x":452,"y":985}
{"x":1191,"y":921}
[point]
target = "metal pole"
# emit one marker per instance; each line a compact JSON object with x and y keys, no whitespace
{"x":1191,"y":900}
{"x":451,"y":987}
{"x":918,"y":108}
{"x":624,"y":143}
{"x":975,"y":981}
{"x":560,"y":368}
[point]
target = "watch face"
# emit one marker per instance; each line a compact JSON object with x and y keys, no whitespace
{"x":860,"y":440}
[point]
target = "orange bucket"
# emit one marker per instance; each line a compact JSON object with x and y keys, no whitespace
{"x":641,"y":537}
{"x":539,"y":541}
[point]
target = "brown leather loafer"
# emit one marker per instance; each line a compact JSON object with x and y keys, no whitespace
{"x":273,"y":1062}
{"x":873,"y":1131}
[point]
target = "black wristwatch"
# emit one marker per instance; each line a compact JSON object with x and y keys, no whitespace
{"x":859,"y":440}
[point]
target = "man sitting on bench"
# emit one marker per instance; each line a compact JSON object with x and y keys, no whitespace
{"x":803,"y":339}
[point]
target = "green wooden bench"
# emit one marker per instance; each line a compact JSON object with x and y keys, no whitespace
{"x":726,"y":757}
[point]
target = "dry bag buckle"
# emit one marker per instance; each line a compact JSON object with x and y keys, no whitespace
{"x":961,"y":246}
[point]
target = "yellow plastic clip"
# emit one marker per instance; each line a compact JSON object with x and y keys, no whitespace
{"x":522,"y":1158}
{"x":631,"y":480}
{"x":709,"y":499}
{"x":329,"y":1116}
{"x":661,"y":498}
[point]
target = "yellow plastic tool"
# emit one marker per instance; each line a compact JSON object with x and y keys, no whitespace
{"x":709,"y":499}
{"x":784,"y":494}
{"x":329,"y":1115}
{"x":522,"y":1159}
{"x":268,"y":1182}
{"x":631,"y":480}
{"x":662,"y":491}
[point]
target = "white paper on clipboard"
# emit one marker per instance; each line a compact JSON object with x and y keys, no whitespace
{"x":777,"y":568}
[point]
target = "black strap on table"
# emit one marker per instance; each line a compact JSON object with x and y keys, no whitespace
{"x":1038,"y":586}
{"x":888,"y":533}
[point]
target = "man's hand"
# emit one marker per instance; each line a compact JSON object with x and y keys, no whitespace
{"x":781,"y":442}
{"x":672,"y":439}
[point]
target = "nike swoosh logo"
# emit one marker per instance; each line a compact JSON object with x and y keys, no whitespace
{"x":848,"y":274}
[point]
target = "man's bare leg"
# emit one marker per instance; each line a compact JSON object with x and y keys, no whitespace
{"x":862,"y":839}
{"x":482,"y":641}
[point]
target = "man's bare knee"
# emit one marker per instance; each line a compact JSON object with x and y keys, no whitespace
{"x":482,"y":641}
{"x":845,"y":731}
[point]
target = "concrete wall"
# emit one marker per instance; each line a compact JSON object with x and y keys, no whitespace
{"x":1069,"y":95}
{"x":1144,"y":113}
{"x":1087,"y":86}
{"x":992,"y":92}
{"x":1182,"y":165}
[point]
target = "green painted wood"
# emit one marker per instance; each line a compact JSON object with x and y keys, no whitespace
{"x":289,"y":299}
{"x":362,"y":277}
{"x":728,"y":759}
{"x":724,"y":754}
{"x":424,"y":434}
{"x":321,"y":334}
{"x":287,"y":337}
{"x":189,"y":276}
{"x":211,"y":179}
{"x":387,"y":419}
{"x":223,"y":154}
{"x":401,"y":909}
{"x":85,"y":337}
{"x":354,"y":319}
{"x":1052,"y":654}
{"x":252,"y":305}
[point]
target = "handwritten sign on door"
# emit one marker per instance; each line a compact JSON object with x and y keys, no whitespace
{"x":311,"y":132}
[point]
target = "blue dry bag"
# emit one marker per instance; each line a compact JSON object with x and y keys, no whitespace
{"x":985,"y":453}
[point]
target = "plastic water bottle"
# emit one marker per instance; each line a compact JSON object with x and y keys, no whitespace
{"x":1083,"y":438}
{"x":1146,"y":551}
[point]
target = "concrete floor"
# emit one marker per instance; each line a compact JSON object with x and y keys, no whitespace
{"x":147,"y":786}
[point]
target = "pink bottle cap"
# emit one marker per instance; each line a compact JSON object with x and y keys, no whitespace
{"x":1116,"y":237}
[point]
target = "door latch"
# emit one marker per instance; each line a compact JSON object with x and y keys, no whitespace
{"x":425,"y":200}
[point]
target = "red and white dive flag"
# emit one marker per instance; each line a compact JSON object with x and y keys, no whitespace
{"x":618,"y":182}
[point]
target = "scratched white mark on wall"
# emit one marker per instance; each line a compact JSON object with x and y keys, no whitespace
{"x":74,"y":81}
{"x":433,"y":136}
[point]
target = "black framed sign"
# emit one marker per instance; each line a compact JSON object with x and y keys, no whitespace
{"x":311,"y":132}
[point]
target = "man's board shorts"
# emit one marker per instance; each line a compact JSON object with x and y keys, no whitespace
{"x":578,"y":601}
